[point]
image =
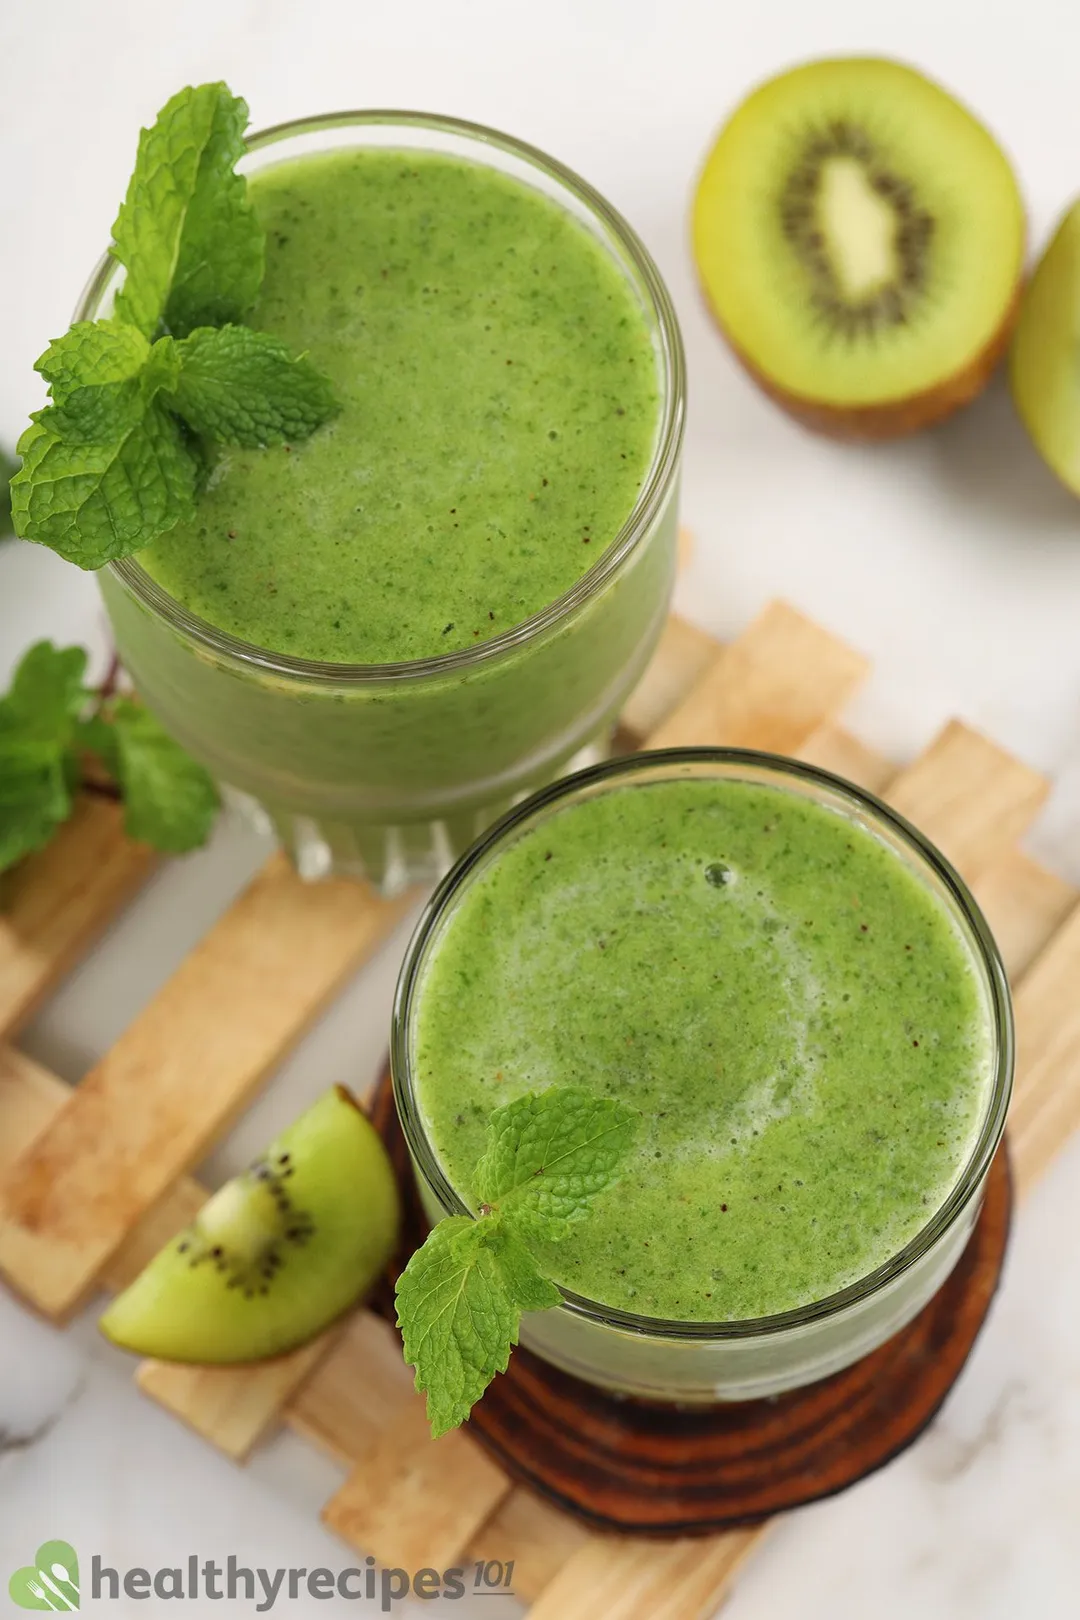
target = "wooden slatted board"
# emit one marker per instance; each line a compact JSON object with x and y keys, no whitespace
{"x":94,"y":1179}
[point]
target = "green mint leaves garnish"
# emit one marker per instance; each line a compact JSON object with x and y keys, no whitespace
{"x":117,"y":458}
{"x":245,"y":388}
{"x":52,"y":728}
{"x":460,"y":1298}
{"x":186,"y":234}
{"x":107,"y":467}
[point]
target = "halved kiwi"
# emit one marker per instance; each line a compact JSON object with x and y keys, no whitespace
{"x":860,"y":239}
{"x":276,"y":1254}
{"x":1043,"y":370}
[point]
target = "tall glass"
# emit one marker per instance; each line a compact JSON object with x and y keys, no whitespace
{"x":739,"y":1360}
{"x":390,"y":770}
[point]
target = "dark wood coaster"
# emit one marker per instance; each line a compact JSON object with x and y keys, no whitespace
{"x":662,"y":1470}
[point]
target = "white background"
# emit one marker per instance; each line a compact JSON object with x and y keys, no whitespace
{"x":954,"y":560}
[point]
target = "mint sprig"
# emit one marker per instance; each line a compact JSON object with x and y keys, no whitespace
{"x":459,"y":1300}
{"x":117,"y":458}
{"x":186,"y":233}
{"x":55,"y":732}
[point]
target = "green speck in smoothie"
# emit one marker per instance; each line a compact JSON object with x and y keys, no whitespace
{"x":500,"y":398}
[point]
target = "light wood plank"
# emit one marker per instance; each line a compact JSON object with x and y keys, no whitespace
{"x":232,"y":1407}
{"x":358,"y":1390}
{"x":832,"y":748}
{"x":178,"y":1076}
{"x":627,"y":1578}
{"x":55,"y":904}
{"x":1023,"y":903}
{"x":414,"y":1501}
{"x":537,"y":1537}
{"x":969,"y":796}
{"x":782,"y":679}
{"x":1046,"y":1100}
{"x":683,"y":655}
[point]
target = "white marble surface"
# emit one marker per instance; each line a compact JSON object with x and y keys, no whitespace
{"x":954,"y":560}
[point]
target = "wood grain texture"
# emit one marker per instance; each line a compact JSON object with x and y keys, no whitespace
{"x":232,"y":1407}
{"x":831,"y":748}
{"x":537,"y":1537}
{"x":683,"y":655}
{"x":1046,"y":1100}
{"x":969,"y":797}
{"x":55,"y":904}
{"x":414,"y":1501}
{"x":623,"y":1578}
{"x":774,"y":686}
{"x":178,"y":1076}
{"x":356,"y":1392}
{"x":1024,"y":904}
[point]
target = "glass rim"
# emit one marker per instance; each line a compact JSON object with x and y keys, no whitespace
{"x":979,"y":937}
{"x":635,"y":529}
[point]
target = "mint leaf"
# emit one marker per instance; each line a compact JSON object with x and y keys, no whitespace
{"x":245,"y":388}
{"x":35,"y":797}
{"x":37,"y":720}
{"x":8,"y":469}
{"x":457,"y":1318}
{"x":169,"y":800}
{"x":186,"y":233}
{"x":459,"y":1303}
{"x":94,"y":353}
{"x":46,"y":692}
{"x":550,"y":1153}
{"x":104,"y":474}
{"x":461,"y":1296}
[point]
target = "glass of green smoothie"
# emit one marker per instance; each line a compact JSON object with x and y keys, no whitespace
{"x":803,"y":1003}
{"x":384,"y":636}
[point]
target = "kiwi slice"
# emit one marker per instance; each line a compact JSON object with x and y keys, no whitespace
{"x":1043,"y":371}
{"x":860,"y":238}
{"x":276,"y":1254}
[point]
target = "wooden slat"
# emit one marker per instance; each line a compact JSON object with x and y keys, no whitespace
{"x":1046,"y":1101}
{"x":626,"y":1578}
{"x":681,"y":659}
{"x":175,"y":1080}
{"x":833,"y":749}
{"x":56,"y":902}
{"x":232,"y":1407}
{"x":414,"y":1501}
{"x":1024,"y":904}
{"x":970,"y":797}
{"x":771,"y":688}
{"x":362,"y":1385}
{"x":537,"y":1537}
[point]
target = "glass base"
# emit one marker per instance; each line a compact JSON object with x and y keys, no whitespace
{"x":396,"y":856}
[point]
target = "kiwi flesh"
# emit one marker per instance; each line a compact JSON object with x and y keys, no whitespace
{"x":1043,"y":371}
{"x":275,"y":1255}
{"x":859,"y":237}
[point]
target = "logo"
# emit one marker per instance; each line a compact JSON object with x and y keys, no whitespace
{"x":50,"y":1582}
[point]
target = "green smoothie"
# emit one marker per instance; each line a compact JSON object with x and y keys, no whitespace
{"x":791,"y":1008}
{"x":340,"y":633}
{"x":500,"y":404}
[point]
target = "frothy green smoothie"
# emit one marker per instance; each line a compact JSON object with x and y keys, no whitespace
{"x":796,"y":1016}
{"x":500,"y":407}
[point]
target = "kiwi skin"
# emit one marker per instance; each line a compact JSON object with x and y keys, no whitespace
{"x":896,"y":419}
{"x":867,"y":420}
{"x":277,"y":1255}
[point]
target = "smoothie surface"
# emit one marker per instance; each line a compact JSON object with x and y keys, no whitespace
{"x":796,"y":1017}
{"x":500,"y":396}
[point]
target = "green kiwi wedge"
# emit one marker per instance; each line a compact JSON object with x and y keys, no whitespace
{"x":277,"y":1254}
{"x":859,"y":237}
{"x":1043,"y":371}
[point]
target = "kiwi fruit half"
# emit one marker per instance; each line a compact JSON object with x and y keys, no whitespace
{"x":276,"y":1254}
{"x":860,"y":238}
{"x":1044,"y":372}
